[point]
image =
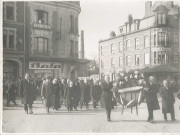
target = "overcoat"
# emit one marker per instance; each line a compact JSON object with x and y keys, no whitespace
{"x":76,"y":94}
{"x":27,"y":92}
{"x":167,"y":99}
{"x":12,"y":91}
{"x":56,"y":96}
{"x":107,"y":95}
{"x":151,"y":96}
{"x":68,"y":95}
{"x":85,"y":92}
{"x":47,"y":93}
{"x":95,"y":92}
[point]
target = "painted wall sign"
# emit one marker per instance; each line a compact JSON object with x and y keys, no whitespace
{"x":41,"y":26}
{"x":44,"y":65}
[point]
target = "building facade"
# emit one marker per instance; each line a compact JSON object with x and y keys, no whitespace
{"x":13,"y":39}
{"x":152,"y":40}
{"x":51,"y":39}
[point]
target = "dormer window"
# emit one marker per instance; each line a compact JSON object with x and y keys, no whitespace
{"x":161,"y":18}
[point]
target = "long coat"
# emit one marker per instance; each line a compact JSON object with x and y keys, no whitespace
{"x":47,"y":93}
{"x":68,"y":95}
{"x":107,"y":95}
{"x":95,"y":92}
{"x":56,"y":96}
{"x":167,"y":99}
{"x":27,"y":92}
{"x":85,"y":92}
{"x":11,"y":91}
{"x":151,"y":96}
{"x":76,"y":94}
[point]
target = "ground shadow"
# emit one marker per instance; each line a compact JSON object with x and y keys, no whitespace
{"x":64,"y":113}
{"x":167,"y":122}
{"x":128,"y":121}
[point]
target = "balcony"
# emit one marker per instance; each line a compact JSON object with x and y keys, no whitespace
{"x":41,"y":26}
{"x":37,"y":53}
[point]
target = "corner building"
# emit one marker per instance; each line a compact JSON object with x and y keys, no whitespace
{"x":52,"y":39}
{"x":150,"y":41}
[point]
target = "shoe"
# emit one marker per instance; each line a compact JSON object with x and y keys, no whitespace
{"x":165,"y":120}
{"x":173,"y":119}
{"x":151,"y":121}
{"x":108,"y":120}
{"x":31,"y":112}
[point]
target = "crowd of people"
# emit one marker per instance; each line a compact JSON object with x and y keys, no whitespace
{"x":56,"y":92}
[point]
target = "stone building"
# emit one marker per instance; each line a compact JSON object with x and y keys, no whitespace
{"x":51,"y":38}
{"x":13,"y":39}
{"x":152,"y":40}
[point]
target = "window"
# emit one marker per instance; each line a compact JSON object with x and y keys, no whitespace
{"x":154,"y":39}
{"x":136,"y":43}
{"x":128,"y":60}
{"x":176,"y":38}
{"x":113,"y":48}
{"x":128,"y":45}
{"x":176,"y":58}
{"x":112,"y":62}
{"x":9,"y":39}
{"x":72,"y":24}
{"x":161,"y":38}
{"x":120,"y":47}
{"x":71,"y":48}
{"x":41,"y":46}
{"x":120,"y":61}
{"x":155,"y":58}
{"x":146,"y":59}
{"x":10,"y":10}
{"x":137,"y":59}
{"x":167,"y":40}
{"x":41,"y":17}
{"x":161,"y":57}
{"x":101,"y":50}
{"x":146,"y":42}
{"x":76,"y":26}
{"x":161,"y":18}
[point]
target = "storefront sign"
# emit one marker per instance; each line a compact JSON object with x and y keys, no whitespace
{"x":41,"y":26}
{"x":44,"y":65}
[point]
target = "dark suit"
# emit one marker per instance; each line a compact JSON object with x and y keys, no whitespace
{"x":85,"y":94}
{"x":107,"y":97}
{"x":167,"y":101}
{"x":152,"y":100}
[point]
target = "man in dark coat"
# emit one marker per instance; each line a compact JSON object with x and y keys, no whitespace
{"x":127,"y":83}
{"x":47,"y":94}
{"x":107,"y":96}
{"x":11,"y":95}
{"x":151,"y":98}
{"x":168,"y":100}
{"x":68,"y":95}
{"x":85,"y":93}
{"x":95,"y":93}
{"x":56,"y":94}
{"x":28,"y":93}
{"x":76,"y":94}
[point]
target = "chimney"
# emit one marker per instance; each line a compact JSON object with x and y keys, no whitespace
{"x":148,"y":8}
{"x":81,"y":47}
{"x":112,"y":34}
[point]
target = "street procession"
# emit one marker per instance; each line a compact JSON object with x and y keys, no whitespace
{"x":90,"y":66}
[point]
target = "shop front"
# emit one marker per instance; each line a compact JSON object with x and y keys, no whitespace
{"x":45,"y":69}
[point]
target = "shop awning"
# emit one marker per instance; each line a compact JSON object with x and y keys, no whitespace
{"x":159,"y":68}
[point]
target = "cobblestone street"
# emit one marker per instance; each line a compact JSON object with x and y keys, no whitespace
{"x":92,"y":120}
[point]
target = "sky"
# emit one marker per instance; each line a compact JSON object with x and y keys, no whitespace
{"x":98,"y":18}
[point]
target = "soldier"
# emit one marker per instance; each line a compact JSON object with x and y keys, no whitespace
{"x":151,"y":98}
{"x":107,"y":96}
{"x":168,"y":100}
{"x":28,"y":93}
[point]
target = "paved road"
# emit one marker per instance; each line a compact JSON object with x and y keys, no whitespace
{"x":92,"y":120}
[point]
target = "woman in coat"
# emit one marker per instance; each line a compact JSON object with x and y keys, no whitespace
{"x":47,"y":94}
{"x":168,"y":100}
{"x":107,"y":96}
{"x":11,"y":95}
{"x":69,"y":96}
{"x":56,"y":94}
{"x":76,"y":94}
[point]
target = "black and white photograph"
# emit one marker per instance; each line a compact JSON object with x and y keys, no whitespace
{"x":90,"y":66}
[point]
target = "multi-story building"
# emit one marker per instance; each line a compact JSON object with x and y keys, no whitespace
{"x":152,"y":40}
{"x":51,"y":38}
{"x":13,"y":39}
